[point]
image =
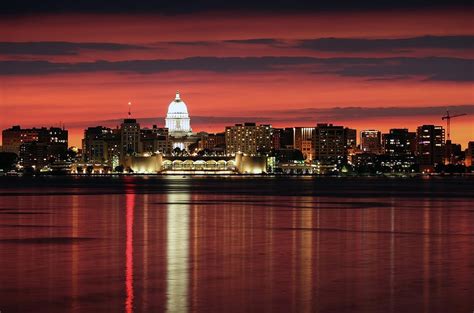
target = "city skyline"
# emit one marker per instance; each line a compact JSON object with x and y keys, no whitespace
{"x":219,"y":123}
{"x":364,"y":69}
{"x":237,"y":156}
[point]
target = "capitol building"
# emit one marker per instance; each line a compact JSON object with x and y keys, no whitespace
{"x":177,"y":119}
{"x":179,"y":124}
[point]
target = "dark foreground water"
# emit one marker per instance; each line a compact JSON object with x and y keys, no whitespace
{"x":138,"y":244}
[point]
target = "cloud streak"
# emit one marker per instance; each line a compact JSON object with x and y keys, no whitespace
{"x":431,"y":68}
{"x":307,"y":115}
{"x":61,"y":47}
{"x":351,"y":45}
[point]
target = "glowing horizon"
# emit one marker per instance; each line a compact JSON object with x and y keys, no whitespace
{"x":399,"y":69}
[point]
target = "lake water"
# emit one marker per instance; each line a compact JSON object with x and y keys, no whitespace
{"x":236,"y":244}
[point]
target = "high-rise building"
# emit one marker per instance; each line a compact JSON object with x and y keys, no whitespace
{"x":469,"y":161}
{"x":370,"y":141}
{"x":287,"y":138}
{"x":101,"y":145}
{"x":350,"y":137}
{"x":303,"y":141}
{"x":430,"y":146}
{"x":329,"y":143}
{"x":399,"y":147}
{"x":36,"y":146}
{"x":276,"y":138}
{"x":399,"y":142}
{"x":130,"y":137}
{"x":13,"y":137}
{"x":453,"y":153}
{"x":248,"y":138}
{"x":154,"y":140}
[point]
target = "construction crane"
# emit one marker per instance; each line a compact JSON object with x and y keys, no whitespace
{"x":448,"y":118}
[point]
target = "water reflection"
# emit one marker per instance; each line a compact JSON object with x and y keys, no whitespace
{"x":188,"y":251}
{"x":130,"y":207}
{"x":177,"y":252}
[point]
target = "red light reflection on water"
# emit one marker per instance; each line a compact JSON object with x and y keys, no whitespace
{"x":130,"y":205}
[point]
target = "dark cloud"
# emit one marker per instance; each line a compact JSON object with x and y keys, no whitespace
{"x":430,"y":68}
{"x":351,"y":45}
{"x":354,"y":113}
{"x":189,"y":6}
{"x":211,"y":64}
{"x":256,"y":41}
{"x":356,"y":45}
{"x":60,"y":47}
{"x":310,"y":116}
{"x":191,"y":43}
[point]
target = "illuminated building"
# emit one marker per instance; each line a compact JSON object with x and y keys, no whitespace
{"x":399,"y":142}
{"x":158,"y":163}
{"x":13,"y":137}
{"x":399,"y":145}
{"x":213,"y":143}
{"x":155,"y":140}
{"x":303,"y":141}
{"x":350,"y":138}
{"x":177,"y":119}
{"x":34,"y":154}
{"x":370,"y":141}
{"x":248,"y":138}
{"x":130,"y":137}
{"x":453,"y":153}
{"x":101,"y":145}
{"x":329,"y":143}
{"x":430,"y":146}
{"x":179,"y":125}
{"x":469,"y":154}
{"x":36,"y":146}
{"x":56,"y":138}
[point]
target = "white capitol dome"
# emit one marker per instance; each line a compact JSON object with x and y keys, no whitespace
{"x":177,"y":106}
{"x":177,"y":118}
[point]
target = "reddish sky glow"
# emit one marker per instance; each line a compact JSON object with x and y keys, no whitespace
{"x":405,"y":67}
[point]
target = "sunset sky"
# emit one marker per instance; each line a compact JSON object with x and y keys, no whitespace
{"x":365,"y":67}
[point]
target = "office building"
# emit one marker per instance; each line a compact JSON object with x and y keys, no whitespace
{"x":248,"y":138}
{"x":371,"y":141}
{"x":430,"y":146}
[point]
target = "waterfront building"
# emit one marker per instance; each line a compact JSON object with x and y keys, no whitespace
{"x":101,"y":144}
{"x":399,"y":145}
{"x":371,"y":141}
{"x":430,"y":146}
{"x":212,"y":143}
{"x":329,"y":143}
{"x":155,"y":140}
{"x":303,"y":141}
{"x":469,"y":161}
{"x":399,"y":142}
{"x":130,"y":137}
{"x":54,"y":137}
{"x":36,"y":146}
{"x":287,"y":138}
{"x":453,"y":153}
{"x":350,"y":137}
{"x":248,"y":138}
